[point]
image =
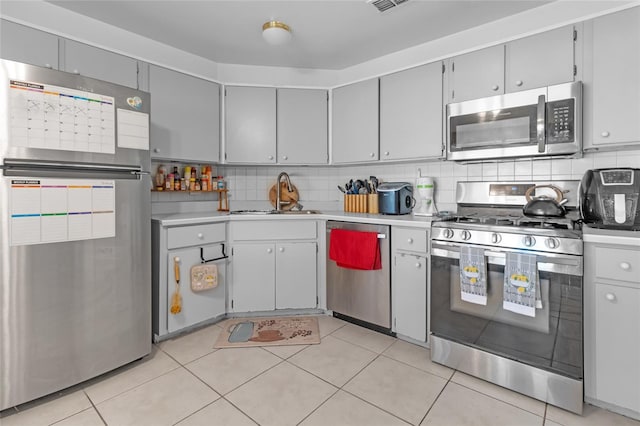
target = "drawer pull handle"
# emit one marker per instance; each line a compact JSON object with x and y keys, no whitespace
{"x":625,"y":265}
{"x":610,"y":297}
{"x":410,"y":240}
{"x":200,"y":235}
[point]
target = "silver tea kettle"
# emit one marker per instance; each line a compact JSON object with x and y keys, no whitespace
{"x":543,"y":205}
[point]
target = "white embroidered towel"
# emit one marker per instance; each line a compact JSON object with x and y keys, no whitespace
{"x":473,"y":275}
{"x":521,"y":284}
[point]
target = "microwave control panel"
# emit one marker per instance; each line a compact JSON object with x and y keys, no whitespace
{"x":560,"y":121}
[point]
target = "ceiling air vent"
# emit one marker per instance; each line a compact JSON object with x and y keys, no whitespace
{"x":384,"y":5}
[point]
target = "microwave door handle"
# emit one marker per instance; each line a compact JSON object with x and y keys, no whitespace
{"x":540,"y":123}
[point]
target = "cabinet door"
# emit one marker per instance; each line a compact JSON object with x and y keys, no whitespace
{"x":24,"y":44}
{"x":540,"y":60}
{"x":355,"y":122}
{"x":196,"y":306}
{"x":477,"y":74}
{"x":410,"y":296}
{"x":185,"y":116}
{"x":296,"y":274}
{"x":97,"y":63}
{"x":411,"y":113}
{"x":302,"y":126}
{"x":611,"y":83}
{"x":250,"y":117}
{"x":254,"y":277}
{"x":617,"y":325}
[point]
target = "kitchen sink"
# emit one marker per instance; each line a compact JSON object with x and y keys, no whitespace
{"x":260,"y":212}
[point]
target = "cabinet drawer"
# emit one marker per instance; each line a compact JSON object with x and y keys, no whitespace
{"x":617,"y":264}
{"x":275,"y":230}
{"x":410,"y":239}
{"x":186,"y":236}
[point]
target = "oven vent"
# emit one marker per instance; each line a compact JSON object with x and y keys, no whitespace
{"x":384,"y":5}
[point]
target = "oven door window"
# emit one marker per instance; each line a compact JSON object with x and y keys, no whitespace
{"x":494,"y":129}
{"x":552,"y":340}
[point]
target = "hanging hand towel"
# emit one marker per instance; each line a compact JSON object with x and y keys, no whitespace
{"x":521,"y":284}
{"x":355,"y":249}
{"x":473,"y":275}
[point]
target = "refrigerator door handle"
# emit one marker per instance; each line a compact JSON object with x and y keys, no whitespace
{"x":19,"y":167}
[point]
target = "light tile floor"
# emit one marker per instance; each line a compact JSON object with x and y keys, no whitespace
{"x":353,"y":377}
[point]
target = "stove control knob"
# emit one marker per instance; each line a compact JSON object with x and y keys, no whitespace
{"x":529,"y":241}
{"x":448,"y":233}
{"x":496,"y":238}
{"x":552,"y":243}
{"x":465,"y":235}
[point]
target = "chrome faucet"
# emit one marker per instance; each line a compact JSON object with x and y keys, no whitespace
{"x":278,"y":190}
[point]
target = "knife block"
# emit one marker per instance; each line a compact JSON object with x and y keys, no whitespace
{"x":361,"y":203}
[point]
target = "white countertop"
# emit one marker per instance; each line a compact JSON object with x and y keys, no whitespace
{"x":181,"y":219}
{"x":610,"y":236}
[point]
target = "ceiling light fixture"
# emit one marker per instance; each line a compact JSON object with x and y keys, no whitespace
{"x":276,"y":32}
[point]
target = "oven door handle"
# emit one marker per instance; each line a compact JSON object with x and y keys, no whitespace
{"x":571,"y":265}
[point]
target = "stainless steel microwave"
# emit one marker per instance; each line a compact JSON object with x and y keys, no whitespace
{"x":533,"y":123}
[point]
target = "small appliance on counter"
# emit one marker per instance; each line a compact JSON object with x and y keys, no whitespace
{"x":425,"y":202}
{"x":395,"y":198}
{"x":609,"y":198}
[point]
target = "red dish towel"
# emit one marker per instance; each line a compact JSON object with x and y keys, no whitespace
{"x":355,"y":249}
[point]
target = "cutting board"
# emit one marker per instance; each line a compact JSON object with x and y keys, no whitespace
{"x":285,"y":195}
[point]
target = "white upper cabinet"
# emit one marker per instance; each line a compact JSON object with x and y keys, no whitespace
{"x":185,"y":117}
{"x":476,"y":74}
{"x":355,"y":122}
{"x":540,"y":60}
{"x":250,"y":124}
{"x":612,"y":80}
{"x":411,"y":113}
{"x":101,"y":64}
{"x":302,"y":126}
{"x":27,"y":45}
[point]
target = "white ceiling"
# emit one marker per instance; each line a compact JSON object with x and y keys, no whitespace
{"x":327,"y":34}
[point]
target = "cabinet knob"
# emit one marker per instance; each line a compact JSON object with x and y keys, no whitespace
{"x":269,"y":250}
{"x":270,"y":157}
{"x":410,"y":240}
{"x":418,"y":265}
{"x":371,"y":154}
{"x":281,"y":249}
{"x":48,"y":66}
{"x":284,"y":157}
{"x":518,"y":83}
{"x":625,"y":265}
{"x":495,"y":87}
{"x":200,"y":235}
{"x":156,"y":150}
{"x":605,"y":134}
{"x":610,"y":297}
{"x":76,"y":71}
{"x":386,"y":153}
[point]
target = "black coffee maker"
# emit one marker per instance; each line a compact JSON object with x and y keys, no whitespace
{"x":608,"y":198}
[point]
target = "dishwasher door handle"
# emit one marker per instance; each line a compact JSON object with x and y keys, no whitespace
{"x":382,"y":236}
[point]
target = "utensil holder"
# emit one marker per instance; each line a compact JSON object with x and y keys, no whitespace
{"x":356,"y":203}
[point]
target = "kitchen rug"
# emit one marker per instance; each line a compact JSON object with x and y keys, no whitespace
{"x":268,"y":331}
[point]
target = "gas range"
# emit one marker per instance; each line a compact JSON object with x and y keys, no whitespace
{"x":490,"y":214}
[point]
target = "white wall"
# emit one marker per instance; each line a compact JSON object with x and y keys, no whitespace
{"x":317,"y":186}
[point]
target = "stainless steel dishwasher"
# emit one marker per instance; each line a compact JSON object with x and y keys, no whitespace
{"x":362,"y":297}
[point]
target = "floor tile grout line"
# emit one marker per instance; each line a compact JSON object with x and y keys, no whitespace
{"x":416,"y":368}
{"x":436,"y":399}
{"x":321,"y":404}
{"x":95,"y":407}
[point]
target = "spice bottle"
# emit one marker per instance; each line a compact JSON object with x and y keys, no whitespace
{"x":204,"y":184}
{"x":169,"y":183}
{"x":183,"y":184}
{"x":192,"y":184}
{"x":221,"y":183}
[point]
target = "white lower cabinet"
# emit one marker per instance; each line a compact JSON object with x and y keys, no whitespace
{"x":271,"y":270}
{"x":409,"y":282}
{"x":612,"y":326}
{"x":186,"y":246}
{"x":196,"y":306}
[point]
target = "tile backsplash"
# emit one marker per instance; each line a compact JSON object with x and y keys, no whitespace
{"x":249,"y":185}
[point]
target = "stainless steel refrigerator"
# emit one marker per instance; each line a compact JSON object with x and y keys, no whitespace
{"x":75,"y":258}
